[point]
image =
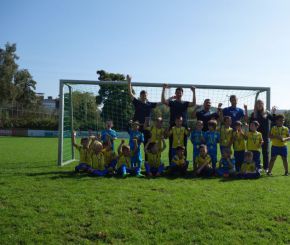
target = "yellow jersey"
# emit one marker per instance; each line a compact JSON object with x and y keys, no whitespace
{"x":156,"y":134}
{"x":239,"y":141}
{"x":85,"y":154}
{"x":254,"y":140}
{"x":109,"y":156}
{"x":178,"y":135}
{"x":122,"y":159}
{"x":199,"y":161}
{"x":248,"y":167}
{"x":178,"y":161}
{"x":98,"y":161}
{"x":226,"y":135}
{"x":154,"y":160}
{"x":279,"y":131}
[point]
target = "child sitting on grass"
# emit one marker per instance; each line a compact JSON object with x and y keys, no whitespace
{"x":279,"y":135}
{"x":248,"y":168}
{"x":123,"y":166}
{"x":203,"y":166}
{"x":178,"y":163}
{"x":84,"y":152}
{"x":226,"y":165}
{"x":153,"y":165}
{"x":110,"y":157}
{"x":98,"y":160}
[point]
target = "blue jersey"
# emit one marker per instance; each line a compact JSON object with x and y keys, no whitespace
{"x":211,"y":139}
{"x":196,"y":137}
{"x":235,"y":113}
{"x":225,"y":164}
{"x":137,"y":157}
{"x":111,"y":133}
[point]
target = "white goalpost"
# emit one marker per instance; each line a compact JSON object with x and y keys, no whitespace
{"x":86,"y":105}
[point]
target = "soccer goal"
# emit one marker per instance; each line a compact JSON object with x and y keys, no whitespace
{"x":85,"y":106}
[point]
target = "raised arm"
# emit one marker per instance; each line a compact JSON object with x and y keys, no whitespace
{"x":130,"y":87}
{"x":163,"y":100}
{"x":246,"y":117}
{"x":120,"y":146}
{"x":73,"y":135}
{"x":193,"y":102}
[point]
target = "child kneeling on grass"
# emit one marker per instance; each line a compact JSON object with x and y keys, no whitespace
{"x":85,"y":154}
{"x":226,"y":165}
{"x":279,"y":135}
{"x":248,"y":169}
{"x":98,"y":160}
{"x":203,"y":164}
{"x":153,"y":165}
{"x":110,"y":157}
{"x":178,"y":163}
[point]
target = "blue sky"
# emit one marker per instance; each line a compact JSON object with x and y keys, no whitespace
{"x":208,"y":41}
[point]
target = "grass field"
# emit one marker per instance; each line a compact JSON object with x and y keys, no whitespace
{"x":41,"y":203}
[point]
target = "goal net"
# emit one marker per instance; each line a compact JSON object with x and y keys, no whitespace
{"x":85,"y":106}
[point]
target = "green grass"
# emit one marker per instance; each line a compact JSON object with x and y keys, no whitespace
{"x":41,"y":203}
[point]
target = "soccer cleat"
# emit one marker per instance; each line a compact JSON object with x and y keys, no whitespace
{"x":226,"y":175}
{"x":124,"y":175}
{"x":139,"y":175}
{"x":269,"y":173}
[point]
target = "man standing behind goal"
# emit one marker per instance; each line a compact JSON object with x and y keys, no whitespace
{"x":143,"y":109}
{"x":178,"y":108}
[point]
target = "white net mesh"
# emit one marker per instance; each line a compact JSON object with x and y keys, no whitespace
{"x":89,"y":112}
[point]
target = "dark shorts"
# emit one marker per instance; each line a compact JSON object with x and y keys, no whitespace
{"x":276,"y":151}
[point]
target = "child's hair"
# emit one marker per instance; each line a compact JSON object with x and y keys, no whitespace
{"x":249,"y":154}
{"x":180,"y":148}
{"x":279,"y":116}
{"x":135,"y":123}
{"x":227,"y":118}
{"x":212,"y":123}
{"x":159,"y":119}
{"x":203,"y":147}
{"x":227,"y":150}
{"x":151,"y":145}
{"x":97,"y":144}
{"x":199,"y":121}
{"x":84,"y":139}
{"x":179,"y":118}
{"x":257,"y":124}
{"x":125,"y":147}
{"x":238,"y":123}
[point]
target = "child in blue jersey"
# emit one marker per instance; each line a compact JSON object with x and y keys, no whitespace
{"x":109,"y":133}
{"x":136,"y":137}
{"x":154,"y":165}
{"x":226,"y":165}
{"x":123,"y":165}
{"x":178,"y":163}
{"x":248,"y":168}
{"x":197,"y":138}
{"x":203,"y":166}
{"x":84,"y":152}
{"x":212,"y":138}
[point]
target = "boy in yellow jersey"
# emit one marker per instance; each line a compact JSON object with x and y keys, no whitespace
{"x":178,"y":163}
{"x":239,"y":144}
{"x":279,"y":135}
{"x":178,"y":133}
{"x":156,"y":131}
{"x":98,"y":160}
{"x":153,"y":165}
{"x":203,"y":165}
{"x":254,"y":143}
{"x":124,"y":166}
{"x":248,"y":169}
{"x":109,"y":155}
{"x":226,"y":133}
{"x":84,"y":151}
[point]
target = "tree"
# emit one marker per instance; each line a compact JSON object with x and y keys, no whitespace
{"x":114,"y":100}
{"x":24,"y":86}
{"x":8,"y":68}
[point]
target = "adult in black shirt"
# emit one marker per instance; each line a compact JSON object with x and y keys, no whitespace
{"x":265,"y":118}
{"x":143,"y":109}
{"x":178,"y":108}
{"x":205,"y":115}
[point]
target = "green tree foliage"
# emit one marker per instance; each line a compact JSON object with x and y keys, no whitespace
{"x":114,"y":100}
